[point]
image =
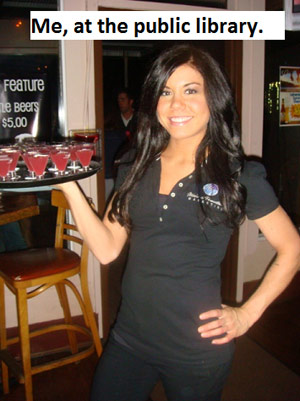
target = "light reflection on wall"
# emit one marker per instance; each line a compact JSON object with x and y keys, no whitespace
{"x":35,"y":126}
{"x":272,"y":97}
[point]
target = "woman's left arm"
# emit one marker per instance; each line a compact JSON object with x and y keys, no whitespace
{"x":233,"y":322}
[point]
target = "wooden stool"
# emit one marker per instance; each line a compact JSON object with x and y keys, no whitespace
{"x":43,"y":268}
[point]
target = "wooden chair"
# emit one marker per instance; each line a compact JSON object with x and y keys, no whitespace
{"x":29,"y":273}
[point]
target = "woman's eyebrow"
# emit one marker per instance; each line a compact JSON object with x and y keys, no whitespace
{"x":187,"y":84}
{"x":193,"y":83}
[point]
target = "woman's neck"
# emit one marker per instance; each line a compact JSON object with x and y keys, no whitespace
{"x":181,"y":151}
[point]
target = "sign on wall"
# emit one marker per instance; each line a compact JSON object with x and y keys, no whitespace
{"x":21,"y":104}
{"x":29,"y":94}
{"x":289,"y":96}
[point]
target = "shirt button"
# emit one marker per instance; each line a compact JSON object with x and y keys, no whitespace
{"x":173,"y":194}
{"x":165,"y":207}
{"x":190,"y":176}
{"x":180,"y":184}
{"x":160,"y":219}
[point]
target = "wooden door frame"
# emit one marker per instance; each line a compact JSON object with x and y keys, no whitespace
{"x":229,"y":267}
{"x":99,"y":113}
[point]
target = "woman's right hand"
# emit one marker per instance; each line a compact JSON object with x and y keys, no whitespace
{"x":65,"y":186}
{"x":104,"y":237}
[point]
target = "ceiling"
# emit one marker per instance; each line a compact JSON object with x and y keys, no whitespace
{"x":52,"y":4}
{"x":29,"y":4}
{"x":21,"y":8}
{"x":202,"y":3}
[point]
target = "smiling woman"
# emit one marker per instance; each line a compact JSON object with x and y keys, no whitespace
{"x":182,"y":108}
{"x":179,"y":193}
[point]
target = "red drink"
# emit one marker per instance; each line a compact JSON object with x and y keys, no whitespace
{"x":38,"y":163}
{"x":4,"y":166}
{"x":60,"y":159}
{"x":14,"y":154}
{"x":26,"y":158}
{"x":73,"y":147}
{"x":84,"y":155}
{"x":91,"y":136}
{"x":73,"y":155}
{"x":27,"y":161}
{"x":86,"y":137}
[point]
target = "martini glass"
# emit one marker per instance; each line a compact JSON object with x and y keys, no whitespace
{"x":84,"y":154}
{"x":26,"y":157}
{"x":4,"y":166}
{"x":60,"y":157}
{"x":74,"y":159}
{"x":53,"y":148}
{"x":92,"y":136}
{"x":14,"y":153}
{"x":38,"y":162}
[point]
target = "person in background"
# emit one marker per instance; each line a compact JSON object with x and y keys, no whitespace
{"x":123,"y":117}
{"x":119,"y":135}
{"x":125,"y":103}
{"x":177,"y":204}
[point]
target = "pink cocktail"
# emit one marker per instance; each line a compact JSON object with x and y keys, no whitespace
{"x":91,"y":136}
{"x":38,"y":162}
{"x":60,"y":158}
{"x":26,"y":158}
{"x":84,"y":155}
{"x":53,"y":149}
{"x":14,"y":154}
{"x":4,"y":166}
{"x":86,"y":137}
{"x":74,"y":159}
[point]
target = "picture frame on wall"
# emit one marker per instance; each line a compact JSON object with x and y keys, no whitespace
{"x":292,"y":15}
{"x":289,"y":99}
{"x":296,"y":6}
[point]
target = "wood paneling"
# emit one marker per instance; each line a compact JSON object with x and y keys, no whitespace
{"x":233,"y":66}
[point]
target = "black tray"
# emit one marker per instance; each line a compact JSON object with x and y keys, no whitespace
{"x":49,"y":178}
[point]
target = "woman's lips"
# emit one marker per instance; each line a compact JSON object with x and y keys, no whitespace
{"x":179,"y":120}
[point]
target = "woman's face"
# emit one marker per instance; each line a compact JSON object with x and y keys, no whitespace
{"x":182,"y":108}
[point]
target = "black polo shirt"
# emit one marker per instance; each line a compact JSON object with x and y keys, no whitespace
{"x":173,"y":269}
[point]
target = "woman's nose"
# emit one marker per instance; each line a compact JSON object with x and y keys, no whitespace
{"x":177,"y":101}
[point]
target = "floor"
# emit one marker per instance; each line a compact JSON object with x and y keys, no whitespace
{"x":266,"y":366}
{"x":256,"y":376}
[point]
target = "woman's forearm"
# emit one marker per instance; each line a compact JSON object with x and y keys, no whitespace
{"x":284,"y":238}
{"x":233,"y":322}
{"x":106,"y":242}
{"x":275,"y":281}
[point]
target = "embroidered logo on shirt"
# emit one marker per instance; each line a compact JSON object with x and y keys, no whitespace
{"x":192,"y":196}
{"x":211,"y":202}
{"x":211,"y":189}
{"x":205,"y":199}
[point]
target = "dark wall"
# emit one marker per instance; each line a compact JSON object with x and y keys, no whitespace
{"x":281,"y":145}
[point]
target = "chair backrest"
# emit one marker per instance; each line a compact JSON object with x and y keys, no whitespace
{"x":64,"y":230}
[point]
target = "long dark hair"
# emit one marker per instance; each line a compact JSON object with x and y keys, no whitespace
{"x":222,"y":142}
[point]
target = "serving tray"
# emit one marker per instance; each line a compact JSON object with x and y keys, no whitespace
{"x":49,"y":177}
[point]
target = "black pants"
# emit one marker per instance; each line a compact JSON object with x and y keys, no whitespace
{"x":122,"y":376}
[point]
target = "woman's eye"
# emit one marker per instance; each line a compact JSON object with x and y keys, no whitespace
{"x":190,"y":91}
{"x":165,"y":92}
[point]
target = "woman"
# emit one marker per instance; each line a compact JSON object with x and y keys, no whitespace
{"x":177,"y":203}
